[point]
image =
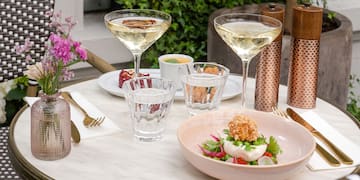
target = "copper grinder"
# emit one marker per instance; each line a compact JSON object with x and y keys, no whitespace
{"x":268,"y":66}
{"x":304,"y":61}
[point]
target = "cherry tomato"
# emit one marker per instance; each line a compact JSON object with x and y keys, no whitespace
{"x":240,"y":161}
{"x":268,"y":154}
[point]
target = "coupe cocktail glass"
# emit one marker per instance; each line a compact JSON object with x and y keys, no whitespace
{"x":137,"y":29}
{"x":247,"y":35}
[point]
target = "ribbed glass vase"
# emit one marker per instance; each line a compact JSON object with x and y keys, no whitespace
{"x":50,"y":127}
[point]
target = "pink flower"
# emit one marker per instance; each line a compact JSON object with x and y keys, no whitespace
{"x":24,"y":48}
{"x":18,"y":49}
{"x":28,"y":58}
{"x":70,"y":23}
{"x":61,"y":48}
{"x":48,"y":13}
{"x":54,"y":38}
{"x":61,"y":52}
{"x":48,"y":66}
{"x":56,"y":22}
{"x":76,"y":44}
{"x":67,"y":74}
{"x":81,"y":52}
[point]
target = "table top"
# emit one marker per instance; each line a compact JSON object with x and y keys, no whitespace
{"x":121,"y":156}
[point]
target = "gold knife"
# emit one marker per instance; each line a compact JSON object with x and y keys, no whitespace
{"x":341,"y":155}
{"x":327,"y":156}
{"x":75,"y":135}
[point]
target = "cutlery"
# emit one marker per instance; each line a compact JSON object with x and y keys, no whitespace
{"x":75,"y":135}
{"x":88,"y":120}
{"x":341,"y":155}
{"x":330,"y":159}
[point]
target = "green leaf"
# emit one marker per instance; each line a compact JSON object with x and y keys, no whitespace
{"x":16,"y":94}
{"x":11,"y":108}
{"x":226,"y":157}
{"x":237,"y":143}
{"x":212,"y":146}
{"x":253,"y":163}
{"x":229,"y":138}
{"x":248,"y":146}
{"x":259,"y":141}
{"x":353,"y":97}
{"x":22,"y":80}
{"x":273,"y":147}
{"x":226,"y":131}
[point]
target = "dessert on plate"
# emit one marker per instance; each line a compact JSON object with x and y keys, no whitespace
{"x":125,"y":75}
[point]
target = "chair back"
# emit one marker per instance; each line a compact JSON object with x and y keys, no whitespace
{"x":21,"y":19}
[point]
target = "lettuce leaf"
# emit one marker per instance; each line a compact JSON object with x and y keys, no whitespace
{"x":273,"y":147}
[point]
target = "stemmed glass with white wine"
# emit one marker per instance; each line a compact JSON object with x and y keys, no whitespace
{"x":137,"y":29}
{"x":247,"y":35}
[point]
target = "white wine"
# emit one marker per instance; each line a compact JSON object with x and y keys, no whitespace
{"x":247,"y":39}
{"x":247,"y":35}
{"x":138,"y":33}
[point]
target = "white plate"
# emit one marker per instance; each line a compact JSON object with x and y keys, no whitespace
{"x":109,"y":82}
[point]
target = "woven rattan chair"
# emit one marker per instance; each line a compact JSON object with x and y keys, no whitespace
{"x":19,"y":19}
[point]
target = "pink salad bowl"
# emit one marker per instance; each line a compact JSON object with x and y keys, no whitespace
{"x":295,"y":141}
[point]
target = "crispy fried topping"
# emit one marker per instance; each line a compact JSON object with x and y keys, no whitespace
{"x":141,"y":24}
{"x":243,"y":128}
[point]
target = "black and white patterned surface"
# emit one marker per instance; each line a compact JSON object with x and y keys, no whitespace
{"x":7,"y":170}
{"x":21,"y":19}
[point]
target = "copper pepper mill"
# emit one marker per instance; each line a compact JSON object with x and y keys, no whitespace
{"x":268,"y":66}
{"x":305,"y":45}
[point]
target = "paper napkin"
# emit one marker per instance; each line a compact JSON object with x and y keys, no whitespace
{"x":106,"y":128}
{"x":348,"y":147}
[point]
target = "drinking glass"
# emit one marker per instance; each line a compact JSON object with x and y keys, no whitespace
{"x":149,"y":100}
{"x":137,"y":29}
{"x":204,"y":86}
{"x":247,"y":34}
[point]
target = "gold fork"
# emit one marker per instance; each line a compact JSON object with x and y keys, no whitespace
{"x":88,"y":120}
{"x":323,"y":153}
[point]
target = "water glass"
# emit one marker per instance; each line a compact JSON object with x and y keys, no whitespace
{"x":149,"y":100}
{"x":204,"y":86}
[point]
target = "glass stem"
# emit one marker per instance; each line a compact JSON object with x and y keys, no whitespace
{"x":245,"y":70}
{"x":137,"y":60}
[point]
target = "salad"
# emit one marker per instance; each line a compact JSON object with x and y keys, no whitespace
{"x":241,"y":143}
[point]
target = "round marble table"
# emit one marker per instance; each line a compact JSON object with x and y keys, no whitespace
{"x":120,"y":156}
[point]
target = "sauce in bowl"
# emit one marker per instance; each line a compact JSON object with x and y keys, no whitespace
{"x":177,"y":60}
